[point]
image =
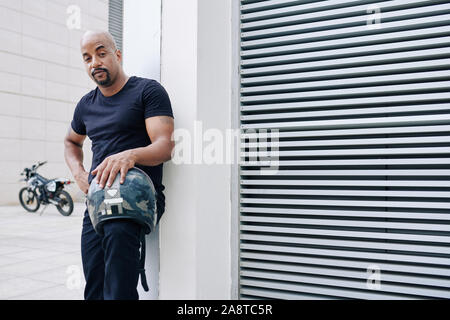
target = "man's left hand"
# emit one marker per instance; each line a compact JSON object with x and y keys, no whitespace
{"x":107,"y":170}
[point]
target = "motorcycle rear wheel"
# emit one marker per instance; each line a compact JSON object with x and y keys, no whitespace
{"x":65,"y":206}
{"x":29,"y":200}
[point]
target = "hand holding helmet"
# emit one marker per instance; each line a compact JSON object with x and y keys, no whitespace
{"x":111,"y":166}
{"x":135,"y":199}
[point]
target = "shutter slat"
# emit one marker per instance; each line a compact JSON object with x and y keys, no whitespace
{"x":347,"y":152}
{"x":324,"y":84}
{"x":262,"y":293}
{"x":412,"y":270}
{"x":352,"y":131}
{"x":356,"y":10}
{"x":348,"y":214}
{"x":344,"y":72}
{"x":303,"y":26}
{"x":381,"y":89}
{"x":417,"y":172}
{"x":349,"y":244}
{"x":319,"y":280}
{"x":260,"y":9}
{"x":346,"y":63}
{"x":368,"y":50}
{"x":354,"y":203}
{"x":338,"y":43}
{"x":285,"y":231}
{"x":343,"y":112}
{"x":417,"y":23}
{"x":326,"y":252}
{"x":332,"y":272}
{"x":275,"y":4}
{"x":348,"y":102}
{"x":348,"y":223}
{"x":338,"y":292}
{"x":354,"y":183}
{"x":334,"y":192}
{"x":350,"y":142}
{"x":355,"y":122}
{"x":359,"y":162}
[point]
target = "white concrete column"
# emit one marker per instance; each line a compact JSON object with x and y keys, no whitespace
{"x":178,"y":226}
{"x":196,"y":71}
{"x":213,"y":110}
{"x":142,"y":57}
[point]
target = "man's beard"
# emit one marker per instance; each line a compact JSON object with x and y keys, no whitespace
{"x":104,"y":83}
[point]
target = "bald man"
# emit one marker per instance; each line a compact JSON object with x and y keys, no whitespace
{"x":130,"y":123}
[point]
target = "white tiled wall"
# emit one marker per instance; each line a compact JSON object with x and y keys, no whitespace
{"x":41,"y":80}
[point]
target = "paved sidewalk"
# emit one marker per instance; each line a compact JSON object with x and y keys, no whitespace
{"x":40,"y":255}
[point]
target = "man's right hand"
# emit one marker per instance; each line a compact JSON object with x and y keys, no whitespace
{"x":82,"y":180}
{"x":73,"y":154}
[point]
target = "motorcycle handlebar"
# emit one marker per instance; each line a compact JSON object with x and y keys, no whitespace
{"x":33,"y":167}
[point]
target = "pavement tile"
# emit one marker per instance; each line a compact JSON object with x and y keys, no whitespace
{"x":30,"y":254}
{"x":66,"y":247}
{"x":7,"y":249}
{"x":60,"y":292}
{"x":26,"y":268}
{"x":19,"y":286}
{"x":6,"y":276}
{"x":27,"y":243}
{"x":61,"y":275}
{"x":8,"y":260}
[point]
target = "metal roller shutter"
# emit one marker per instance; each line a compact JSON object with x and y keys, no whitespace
{"x":360,"y":207}
{"x":115,"y":21}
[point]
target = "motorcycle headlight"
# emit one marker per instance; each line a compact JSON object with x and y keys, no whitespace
{"x":51,"y":186}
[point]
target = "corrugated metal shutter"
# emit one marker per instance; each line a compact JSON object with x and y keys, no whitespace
{"x":363,"y":189}
{"x":115,"y":21}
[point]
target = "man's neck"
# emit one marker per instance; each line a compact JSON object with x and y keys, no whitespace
{"x":116,"y":87}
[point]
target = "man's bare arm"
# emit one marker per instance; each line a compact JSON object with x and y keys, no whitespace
{"x":160,"y":130}
{"x":73,"y":154}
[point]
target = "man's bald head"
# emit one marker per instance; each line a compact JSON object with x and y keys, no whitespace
{"x":98,"y":35}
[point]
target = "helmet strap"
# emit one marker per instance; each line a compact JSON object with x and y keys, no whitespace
{"x":142,"y":261}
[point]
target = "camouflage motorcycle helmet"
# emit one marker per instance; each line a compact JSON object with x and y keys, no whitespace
{"x":134,"y":199}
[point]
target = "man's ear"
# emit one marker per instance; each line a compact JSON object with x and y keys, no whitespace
{"x":119,"y":55}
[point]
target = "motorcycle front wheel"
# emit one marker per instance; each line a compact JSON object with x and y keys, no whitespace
{"x":29,"y":200}
{"x":65,"y":203}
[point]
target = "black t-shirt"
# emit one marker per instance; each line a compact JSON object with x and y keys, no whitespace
{"x":117,"y":123}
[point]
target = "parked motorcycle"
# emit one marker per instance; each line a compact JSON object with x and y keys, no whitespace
{"x":44,"y":191}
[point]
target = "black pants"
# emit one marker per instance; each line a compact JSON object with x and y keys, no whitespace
{"x":111,"y":261}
